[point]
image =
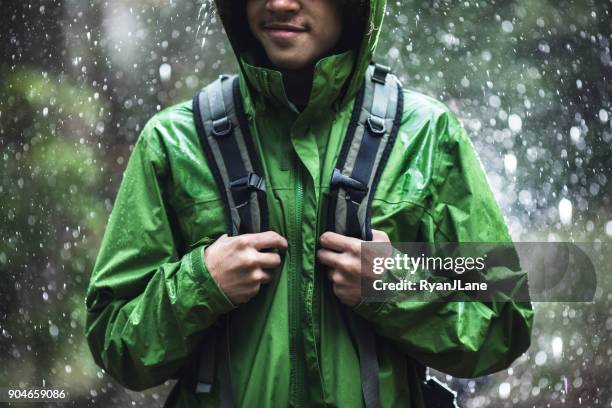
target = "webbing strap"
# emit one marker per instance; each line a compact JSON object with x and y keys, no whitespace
{"x":367,"y":145}
{"x":227,"y":143}
{"x":366,"y":148}
{"x":226,"y":140}
{"x":226,"y":392}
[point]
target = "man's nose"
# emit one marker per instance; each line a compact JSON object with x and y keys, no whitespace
{"x":283,"y":6}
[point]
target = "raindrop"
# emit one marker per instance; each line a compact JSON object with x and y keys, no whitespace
{"x":510,"y":163}
{"x":507,"y":26}
{"x":53,"y":330}
{"x":540,"y":358}
{"x":565,"y":211}
{"x":504,"y":390}
{"x":557,"y":347}
{"x":515,"y":123}
{"x":165,"y":72}
{"x":494,"y":101}
{"x":575,"y":134}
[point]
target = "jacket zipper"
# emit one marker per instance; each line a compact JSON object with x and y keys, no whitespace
{"x":295,"y":311}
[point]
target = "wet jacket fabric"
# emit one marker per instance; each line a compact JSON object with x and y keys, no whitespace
{"x":151,"y":300}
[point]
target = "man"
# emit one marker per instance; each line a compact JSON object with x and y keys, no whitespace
{"x":167,"y":274}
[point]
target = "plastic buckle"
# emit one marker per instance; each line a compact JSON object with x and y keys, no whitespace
{"x":376,"y":125}
{"x":380,"y":73}
{"x":251,"y":181}
{"x":203,"y":388}
{"x":355,"y":189}
{"x":437,"y":394}
{"x":221,"y":127}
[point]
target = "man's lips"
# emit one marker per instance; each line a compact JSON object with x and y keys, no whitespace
{"x":283,"y":31}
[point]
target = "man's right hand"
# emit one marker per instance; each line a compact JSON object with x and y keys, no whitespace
{"x":239,"y":264}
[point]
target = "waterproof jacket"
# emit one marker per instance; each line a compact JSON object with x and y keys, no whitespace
{"x":151,"y":298}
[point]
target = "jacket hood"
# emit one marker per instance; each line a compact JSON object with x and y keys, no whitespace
{"x":337,"y":78}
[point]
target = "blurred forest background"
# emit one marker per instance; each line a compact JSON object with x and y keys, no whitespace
{"x":79,"y":79}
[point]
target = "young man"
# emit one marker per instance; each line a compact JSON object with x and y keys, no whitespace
{"x":167,"y":274}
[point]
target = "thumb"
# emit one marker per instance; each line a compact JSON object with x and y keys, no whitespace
{"x":380,"y":236}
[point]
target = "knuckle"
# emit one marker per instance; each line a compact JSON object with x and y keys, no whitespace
{"x":354,"y":267}
{"x":246,"y":260}
{"x":247,"y":240}
{"x":337,"y":278}
{"x":251,"y":258}
{"x":258,"y":275}
{"x":244,"y":241}
{"x":344,"y":264}
{"x":277,"y":260}
{"x":236,"y":241}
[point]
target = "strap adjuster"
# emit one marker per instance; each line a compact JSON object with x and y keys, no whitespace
{"x":221,"y":127}
{"x":203,"y":388}
{"x":376,"y":125}
{"x":380,"y":73}
{"x":251,"y":181}
{"x":356,"y":189}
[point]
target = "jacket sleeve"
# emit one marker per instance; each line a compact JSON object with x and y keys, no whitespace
{"x":461,"y":336}
{"x":147,"y":304}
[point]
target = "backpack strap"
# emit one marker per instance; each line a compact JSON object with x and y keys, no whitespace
{"x":367,"y":145}
{"x":225,"y":137}
{"x":227,"y":143}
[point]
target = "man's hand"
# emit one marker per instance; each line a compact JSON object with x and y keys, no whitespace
{"x":239,"y":265}
{"x":343,"y":256}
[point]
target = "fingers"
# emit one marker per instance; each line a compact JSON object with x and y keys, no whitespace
{"x":329,"y":258}
{"x":268,"y":260}
{"x":336,"y":277}
{"x":261,"y":276}
{"x":265,"y":240}
{"x":339,"y":243}
{"x":380,"y":236}
{"x":347,"y":291}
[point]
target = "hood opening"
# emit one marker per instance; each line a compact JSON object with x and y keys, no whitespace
{"x":234,"y":18}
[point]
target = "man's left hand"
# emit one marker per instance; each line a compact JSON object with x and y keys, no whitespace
{"x":343,"y":256}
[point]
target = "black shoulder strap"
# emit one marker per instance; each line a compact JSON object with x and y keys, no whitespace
{"x":367,"y":145}
{"x":225,"y":137}
{"x":227,"y":143}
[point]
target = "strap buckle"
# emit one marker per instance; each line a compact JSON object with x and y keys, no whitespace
{"x":203,"y":388}
{"x":356,"y":189}
{"x":380,"y":73}
{"x":251,"y":182}
{"x":221,"y":127}
{"x":376,"y":125}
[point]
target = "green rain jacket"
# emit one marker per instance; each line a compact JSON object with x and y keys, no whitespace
{"x":151,"y":298}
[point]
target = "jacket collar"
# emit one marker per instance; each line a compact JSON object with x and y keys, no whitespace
{"x":331,"y":74}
